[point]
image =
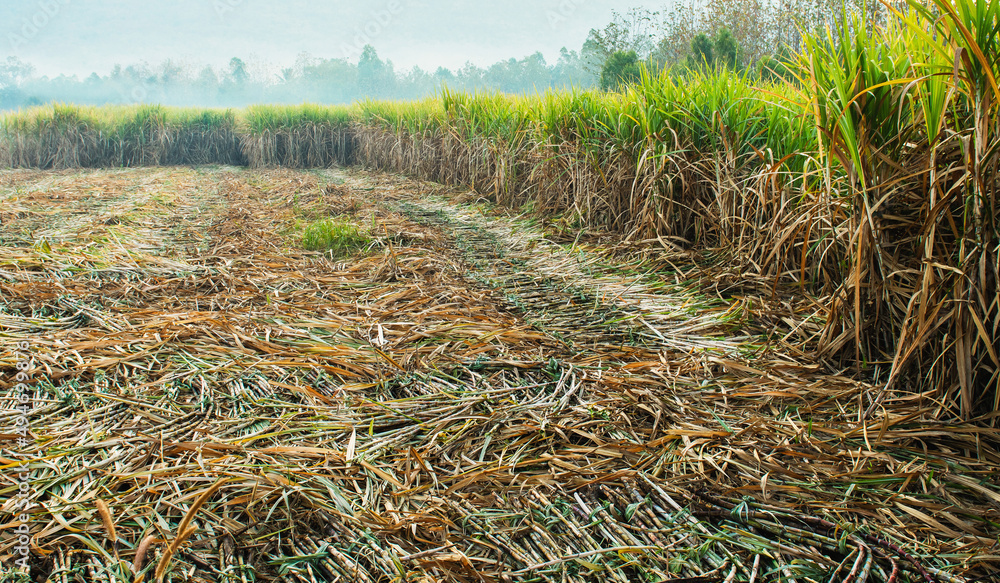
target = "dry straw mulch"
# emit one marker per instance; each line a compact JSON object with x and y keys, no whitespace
{"x":462,"y":400}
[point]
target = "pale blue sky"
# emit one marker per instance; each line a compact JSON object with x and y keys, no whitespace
{"x":82,"y":36}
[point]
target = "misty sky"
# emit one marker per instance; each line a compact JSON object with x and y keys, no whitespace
{"x":83,"y":36}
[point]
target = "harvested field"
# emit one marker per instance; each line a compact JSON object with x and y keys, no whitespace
{"x":461,"y":395}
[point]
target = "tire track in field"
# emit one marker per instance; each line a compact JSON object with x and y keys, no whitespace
{"x":569,"y":295}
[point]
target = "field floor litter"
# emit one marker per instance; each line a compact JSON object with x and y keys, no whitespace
{"x":466,"y":397}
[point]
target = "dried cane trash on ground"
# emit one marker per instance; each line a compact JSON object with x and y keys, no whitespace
{"x":451,"y":397}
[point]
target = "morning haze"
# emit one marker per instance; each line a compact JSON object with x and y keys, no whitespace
{"x":79,"y":37}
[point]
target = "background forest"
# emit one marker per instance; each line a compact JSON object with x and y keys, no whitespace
{"x":744,"y":34}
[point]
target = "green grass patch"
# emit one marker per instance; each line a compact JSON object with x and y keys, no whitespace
{"x":338,"y":237}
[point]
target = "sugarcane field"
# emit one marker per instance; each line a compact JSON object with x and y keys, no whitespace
{"x":711,"y":310}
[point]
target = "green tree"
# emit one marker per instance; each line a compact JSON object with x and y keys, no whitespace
{"x":470,"y":76}
{"x":632,"y":31}
{"x":376,"y":77}
{"x":238,"y":71}
{"x":726,"y":48}
{"x":702,"y":51}
{"x":443,"y":76}
{"x":13,"y":73}
{"x":621,"y":68}
{"x":569,"y":71}
{"x":207,"y":85}
{"x":328,"y":81}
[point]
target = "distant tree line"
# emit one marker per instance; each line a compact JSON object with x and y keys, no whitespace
{"x":739,"y":34}
{"x":308,"y":79}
